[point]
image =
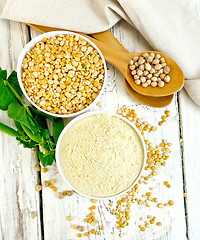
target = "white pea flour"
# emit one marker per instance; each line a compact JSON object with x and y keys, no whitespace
{"x":101,"y":155}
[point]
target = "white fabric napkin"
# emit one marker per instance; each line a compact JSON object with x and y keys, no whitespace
{"x":167,"y":25}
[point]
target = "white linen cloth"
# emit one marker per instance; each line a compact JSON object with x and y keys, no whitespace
{"x":167,"y":25}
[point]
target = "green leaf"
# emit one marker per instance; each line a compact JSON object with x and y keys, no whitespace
{"x":48,"y":146}
{"x":45,"y":134}
{"x":19,"y":113}
{"x":3,"y":73}
{"x":52,"y":145}
{"x":19,"y":128}
{"x":40,"y":121}
{"x":12,"y":79}
{"x":46,"y":159}
{"x":6,"y":96}
{"x":27,"y":142}
{"x":58,"y":126}
{"x":36,"y":112}
{"x":32,"y":129}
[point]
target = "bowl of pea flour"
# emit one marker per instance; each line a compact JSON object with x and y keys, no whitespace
{"x":100,"y":155}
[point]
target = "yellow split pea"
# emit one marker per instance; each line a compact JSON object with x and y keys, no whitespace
{"x":63,"y":74}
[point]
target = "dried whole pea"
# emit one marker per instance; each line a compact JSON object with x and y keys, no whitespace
{"x":131,"y":62}
{"x":162,"y":60}
{"x":141,"y":60}
{"x":145,"y":84}
{"x":133,"y":72}
{"x":136,"y":64}
{"x":157,"y":67}
{"x":148,"y":82}
{"x":161,"y":84}
{"x":139,"y":72}
{"x":137,"y":82}
{"x":141,"y":67}
{"x":154,"y":84}
{"x":167,"y":69}
{"x":143,"y":79}
{"x":145,"y":54}
{"x":149,"y":72}
{"x":149,"y":76}
{"x":37,"y":168}
{"x":167,"y":78}
{"x":135,"y":58}
{"x":132,"y":67}
{"x":155,"y":61}
{"x":158,"y":56}
{"x":149,"y":59}
{"x":154,"y":79}
{"x":152,"y":55}
{"x":38,"y":187}
{"x":147,"y":66}
{"x":162,"y":76}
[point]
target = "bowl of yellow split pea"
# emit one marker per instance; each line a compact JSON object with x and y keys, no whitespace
{"x":61,"y":73}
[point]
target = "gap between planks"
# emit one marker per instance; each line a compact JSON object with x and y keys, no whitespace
{"x":40,"y":177}
{"x":183,"y":165}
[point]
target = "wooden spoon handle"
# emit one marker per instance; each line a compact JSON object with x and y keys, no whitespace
{"x":113,"y":56}
{"x":107,"y":37}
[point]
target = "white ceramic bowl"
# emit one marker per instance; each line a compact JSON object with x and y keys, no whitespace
{"x":31,"y":44}
{"x":84,"y":116}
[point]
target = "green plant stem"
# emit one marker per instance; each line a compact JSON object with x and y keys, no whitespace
{"x":8,"y":130}
{"x":15,"y":93}
{"x":37,"y":138}
{"x":20,"y":100}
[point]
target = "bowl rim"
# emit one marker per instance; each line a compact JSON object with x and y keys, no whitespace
{"x":82,"y":116}
{"x":31,"y":44}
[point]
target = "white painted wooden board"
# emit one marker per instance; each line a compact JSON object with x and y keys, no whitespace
{"x":189,"y":120}
{"x":17,"y":176}
{"x":173,"y":218}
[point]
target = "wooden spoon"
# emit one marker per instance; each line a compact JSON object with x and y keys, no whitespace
{"x":120,"y":60}
{"x":108,"y":38}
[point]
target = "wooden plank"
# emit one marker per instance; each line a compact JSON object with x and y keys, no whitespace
{"x":190,"y":131}
{"x":17,"y":176}
{"x":173,"y":218}
{"x":190,"y":118}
